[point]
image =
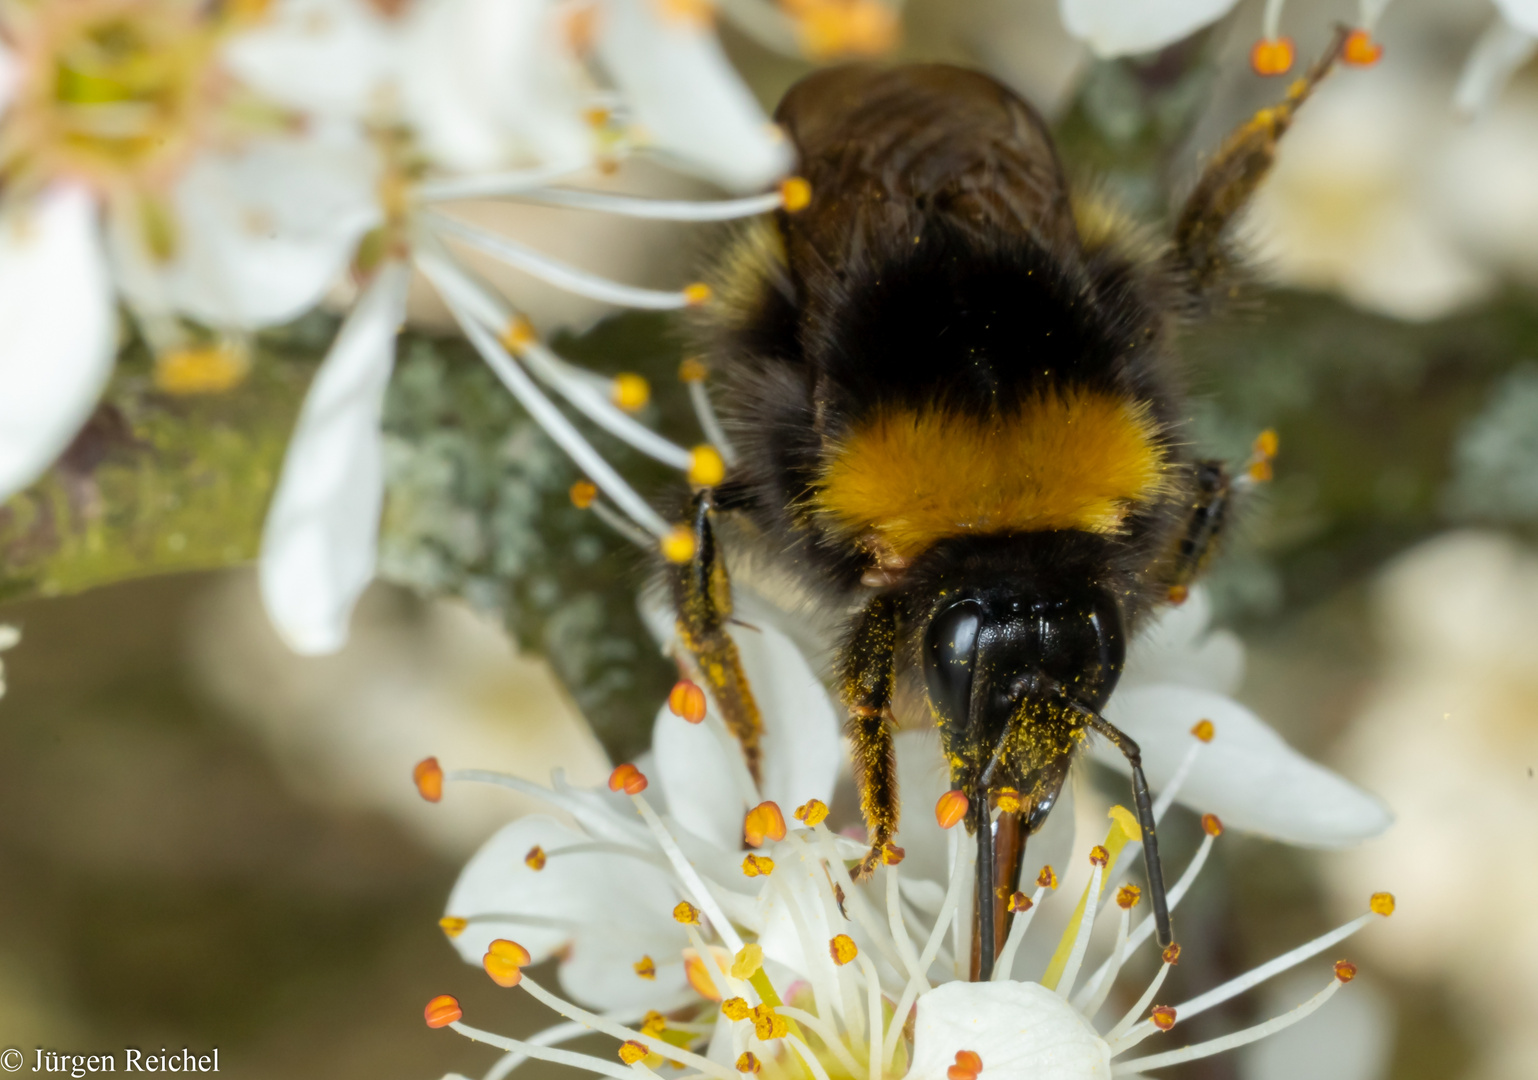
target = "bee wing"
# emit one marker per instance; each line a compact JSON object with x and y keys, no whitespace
{"x":887,"y":149}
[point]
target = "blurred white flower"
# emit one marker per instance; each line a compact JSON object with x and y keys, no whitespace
{"x":1506,"y":45}
{"x":1449,"y":733}
{"x":9,"y":636}
{"x":452,"y":91}
{"x":134,"y":166}
{"x":776,"y":958}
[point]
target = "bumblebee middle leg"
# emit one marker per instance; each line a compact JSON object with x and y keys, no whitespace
{"x":702,"y":596}
{"x":1205,"y":518}
{"x":868,"y":675}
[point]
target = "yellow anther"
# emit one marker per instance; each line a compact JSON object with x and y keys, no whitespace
{"x":1178,"y":594}
{"x":1266,"y":444}
{"x":686,"y":913}
{"x":678,"y":545}
{"x":1019,"y":902}
{"x":1272,"y":56}
{"x":696,"y":294}
{"x":582,"y":493}
{"x":763,"y":822}
{"x":706,"y":466}
{"x":1047,"y":879}
{"x":504,"y":961}
{"x":812,"y":812}
{"x":795,"y":193}
{"x":1345,"y":970}
{"x":631,"y":392}
{"x":757,"y":865}
{"x":511,"y":951}
{"x":1127,"y":897}
{"x":1204,"y":730}
{"x":207,"y":369}
{"x":891,"y":854}
{"x":453,"y":925}
{"x":1163,"y":1017}
{"x":1171,"y":953}
{"x":842,"y":949}
{"x":428,"y":776}
{"x":1099,"y":856}
{"x":951,"y":808}
{"x":736,"y":1008}
{"x":692,"y":370}
{"x":1382,"y":903}
{"x":1211,"y":825}
{"x":748,"y":960}
{"x":1360,"y":50}
{"x":519,"y":335}
{"x":646,"y":968}
{"x":654,"y":1024}
{"x":698,"y":974}
{"x":1260,"y":471}
{"x":747,"y":1062}
{"x":767,"y":1025}
{"x":535,"y":859}
{"x":631,"y":1051}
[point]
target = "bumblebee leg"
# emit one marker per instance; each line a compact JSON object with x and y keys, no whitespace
{"x":1205,"y":519}
{"x":702,"y":596}
{"x":1202,"y":253}
{"x":868,"y":675}
{"x":1145,"y":819}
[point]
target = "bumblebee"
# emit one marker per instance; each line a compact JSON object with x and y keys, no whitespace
{"x":950,"y":386}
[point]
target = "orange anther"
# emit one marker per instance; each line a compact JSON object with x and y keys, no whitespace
{"x":428,"y":775}
{"x":630,"y":391}
{"x":678,"y":545}
{"x":756,"y":865}
{"x":686,"y":913}
{"x":519,"y":335}
{"x":1163,"y":1017}
{"x":512,"y":951}
{"x":968,"y":1064}
{"x":627,"y":778}
{"x":1345,"y":970}
{"x":504,"y":962}
{"x":795,"y":193}
{"x":706,"y":466}
{"x":1127,"y":897}
{"x":1211,"y":825}
{"x":1178,"y":594}
{"x":442,"y":1011}
{"x":582,"y":493}
{"x":1204,"y":730}
{"x":453,"y":925}
{"x":747,"y":1062}
{"x":1360,"y":49}
{"x":1266,"y":444}
{"x":687,"y":700}
{"x":1171,"y":953}
{"x":1272,"y":56}
{"x":535,"y":859}
{"x":1382,"y":903}
{"x":842,"y":949}
{"x":646,"y":968}
{"x":631,"y":1051}
{"x":1261,"y":471}
{"x":763,"y":822}
{"x":951,"y":808}
{"x":1099,"y":856}
{"x":698,"y":975}
{"x":693,"y":369}
{"x":1019,"y":902}
{"x":696,"y":294}
{"x":891,"y":854}
{"x":811,"y":813}
{"x":1007,"y":799}
{"x":1047,"y":879}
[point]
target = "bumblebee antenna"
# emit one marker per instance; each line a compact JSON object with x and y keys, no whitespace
{"x":1145,"y":819}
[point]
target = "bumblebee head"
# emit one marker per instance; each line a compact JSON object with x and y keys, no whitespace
{"x":1003,"y":665}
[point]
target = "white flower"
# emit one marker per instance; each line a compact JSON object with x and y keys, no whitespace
{"x":1125,"y":27}
{"x":776,"y":959}
{"x":132,"y":166}
{"x":546,"y":92}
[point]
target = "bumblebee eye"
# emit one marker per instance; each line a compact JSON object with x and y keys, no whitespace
{"x":950,"y":658}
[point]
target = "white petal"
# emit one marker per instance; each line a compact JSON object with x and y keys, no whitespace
{"x":1018,"y":1029}
{"x":1248,"y":776}
{"x":1497,"y":55}
{"x":322,"y":530}
{"x":1523,"y":14}
{"x":1178,"y":647}
{"x":610,"y":910}
{"x":328,"y":57}
{"x":686,"y":96}
{"x":691,"y":766}
{"x":488,"y":84}
{"x":57,"y":329}
{"x":263,"y":231}
{"x":8,"y":77}
{"x":1123,"y":27}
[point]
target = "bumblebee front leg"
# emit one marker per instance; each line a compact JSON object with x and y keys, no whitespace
{"x":868,"y":674}
{"x":702,"y":596}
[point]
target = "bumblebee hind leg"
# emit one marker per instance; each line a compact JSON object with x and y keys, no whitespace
{"x":1203,"y":255}
{"x":702,"y":596}
{"x":868,"y":675}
